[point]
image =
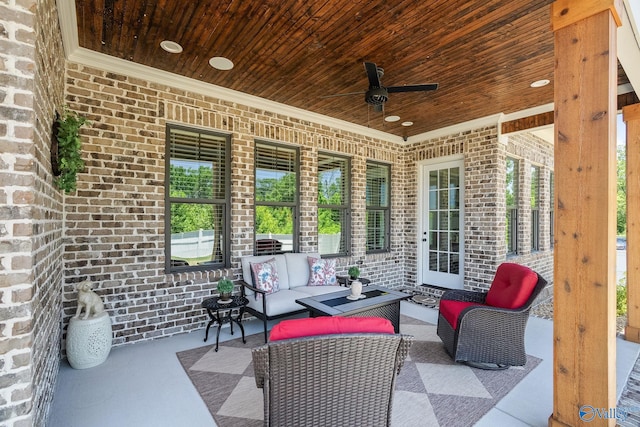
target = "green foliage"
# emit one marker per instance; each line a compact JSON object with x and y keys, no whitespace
{"x":354,"y":272}
{"x":69,"y":147}
{"x":621,"y":296}
{"x":621,"y":220}
{"x":225,"y":285}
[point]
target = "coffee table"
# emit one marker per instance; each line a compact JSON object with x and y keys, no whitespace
{"x":379,"y":302}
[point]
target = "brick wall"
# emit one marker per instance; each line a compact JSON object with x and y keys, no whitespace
{"x":115,"y":221}
{"x":485,"y":204}
{"x":31,"y":87}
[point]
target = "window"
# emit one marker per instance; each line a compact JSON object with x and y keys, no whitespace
{"x":333,"y":205}
{"x":276,"y":199}
{"x":512,"y":206}
{"x":535,"y":208}
{"x":551,"y":204}
{"x":378,"y":207}
{"x":197,"y":194}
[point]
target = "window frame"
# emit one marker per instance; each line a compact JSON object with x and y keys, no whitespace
{"x":552,"y":193}
{"x":225,"y":203}
{"x":295,"y":205}
{"x":386,"y":210}
{"x":535,"y":207}
{"x":512,"y":211}
{"x":345,"y":207}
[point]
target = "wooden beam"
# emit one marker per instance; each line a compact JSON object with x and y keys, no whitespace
{"x":545,"y":119}
{"x":631,"y":116}
{"x":584,"y":324}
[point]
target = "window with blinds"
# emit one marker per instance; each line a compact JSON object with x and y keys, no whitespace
{"x":378,"y":207}
{"x":197,"y":199}
{"x":512,"y":206}
{"x":276,"y":198}
{"x":535,"y":208}
{"x":333,"y":205}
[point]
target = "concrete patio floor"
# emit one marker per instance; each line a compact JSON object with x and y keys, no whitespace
{"x":143,"y":384}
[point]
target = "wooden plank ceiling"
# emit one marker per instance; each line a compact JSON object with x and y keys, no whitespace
{"x":483,"y":53}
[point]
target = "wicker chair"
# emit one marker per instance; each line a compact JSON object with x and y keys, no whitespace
{"x":486,"y":330}
{"x":330,"y":380}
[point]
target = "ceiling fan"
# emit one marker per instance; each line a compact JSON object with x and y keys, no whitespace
{"x":377,"y":94}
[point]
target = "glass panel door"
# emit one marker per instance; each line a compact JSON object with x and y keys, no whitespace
{"x":442,"y":254}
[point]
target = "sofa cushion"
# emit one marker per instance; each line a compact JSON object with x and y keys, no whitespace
{"x":265,"y":275}
{"x":283,"y":301}
{"x":322,"y":272}
{"x":326,"y":325}
{"x":281,"y":264}
{"x":298,"y":268}
{"x":451,"y":309}
{"x":512,"y":286}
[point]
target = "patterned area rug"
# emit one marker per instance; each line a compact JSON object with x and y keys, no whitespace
{"x":431,"y":390}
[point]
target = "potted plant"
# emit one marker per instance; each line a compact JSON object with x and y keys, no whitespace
{"x":225,"y":288}
{"x":354,"y":272}
{"x":66,"y":159}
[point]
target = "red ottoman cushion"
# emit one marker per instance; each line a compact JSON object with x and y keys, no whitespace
{"x":326,"y":325}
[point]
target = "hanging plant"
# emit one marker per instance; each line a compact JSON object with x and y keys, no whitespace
{"x":66,"y":160}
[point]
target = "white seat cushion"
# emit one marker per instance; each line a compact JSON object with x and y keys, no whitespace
{"x":283,"y":301}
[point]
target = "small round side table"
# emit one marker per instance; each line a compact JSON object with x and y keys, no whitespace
{"x":222,"y":313}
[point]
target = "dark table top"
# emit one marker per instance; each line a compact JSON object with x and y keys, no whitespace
{"x":214,"y":303}
{"x":336,"y":303}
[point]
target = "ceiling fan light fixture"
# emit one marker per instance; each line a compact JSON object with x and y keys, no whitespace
{"x":392,"y":118}
{"x":171,"y":46}
{"x":540,"y":83}
{"x":221,"y":63}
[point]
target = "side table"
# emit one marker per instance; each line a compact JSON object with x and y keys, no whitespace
{"x":221,"y":313}
{"x":346,"y":281}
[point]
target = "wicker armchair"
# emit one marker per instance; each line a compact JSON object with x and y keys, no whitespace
{"x":330,"y":380}
{"x":475,"y":330}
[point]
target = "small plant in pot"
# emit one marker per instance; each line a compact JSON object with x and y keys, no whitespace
{"x":354,"y":272}
{"x":225,"y":288}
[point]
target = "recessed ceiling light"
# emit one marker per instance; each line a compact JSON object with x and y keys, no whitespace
{"x":540,"y":83}
{"x":171,"y":47}
{"x":407,"y":123}
{"x":392,"y":118}
{"x":221,"y":63}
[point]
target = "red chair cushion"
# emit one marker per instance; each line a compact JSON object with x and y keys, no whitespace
{"x":326,"y":325}
{"x":512,"y":286}
{"x":451,"y":310}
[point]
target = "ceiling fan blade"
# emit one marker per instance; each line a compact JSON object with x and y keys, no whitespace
{"x":412,"y":88}
{"x":372,"y":74}
{"x":343,"y":94}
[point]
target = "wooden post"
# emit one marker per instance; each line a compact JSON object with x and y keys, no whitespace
{"x":584,"y":324}
{"x":631,"y":116}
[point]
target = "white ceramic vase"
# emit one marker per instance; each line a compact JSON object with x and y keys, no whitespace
{"x":88,"y":341}
{"x":356,"y":288}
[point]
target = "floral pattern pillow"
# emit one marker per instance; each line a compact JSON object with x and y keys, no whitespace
{"x":265,"y":276}
{"x":322,"y":272}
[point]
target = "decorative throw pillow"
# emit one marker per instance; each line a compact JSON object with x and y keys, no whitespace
{"x":265,"y":276}
{"x":322,"y":272}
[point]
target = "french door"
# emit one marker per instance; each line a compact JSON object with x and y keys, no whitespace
{"x":442,"y":228}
